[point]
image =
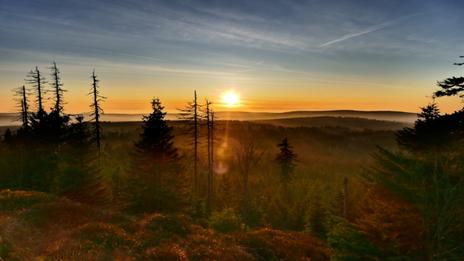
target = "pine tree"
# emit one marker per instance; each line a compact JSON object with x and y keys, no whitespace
{"x":430,"y":112}
{"x":451,"y":86}
{"x":153,"y":185}
{"x":317,"y":219}
{"x":96,"y":109}
{"x":156,"y":138}
{"x":79,"y":178}
{"x":287,"y":160}
{"x":7,"y":136}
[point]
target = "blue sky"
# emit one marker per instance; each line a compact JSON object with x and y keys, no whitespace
{"x":278,"y":55}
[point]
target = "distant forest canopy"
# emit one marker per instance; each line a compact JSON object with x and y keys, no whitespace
{"x":278,"y":191}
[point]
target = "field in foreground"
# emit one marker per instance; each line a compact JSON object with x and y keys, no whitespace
{"x":36,"y":225}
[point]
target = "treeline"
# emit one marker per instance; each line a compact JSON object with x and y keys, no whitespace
{"x":63,"y":154}
{"x":413,"y":209}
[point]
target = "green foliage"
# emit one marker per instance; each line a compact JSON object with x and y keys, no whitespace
{"x":153,"y":184}
{"x":168,"y":225}
{"x":451,"y":86}
{"x":317,"y":220}
{"x":286,"y":159}
{"x":272,"y":244}
{"x":6,"y":250}
{"x":226,"y":221}
{"x":349,"y":244}
{"x":428,"y":173}
{"x":80,"y":175}
{"x":19,"y":200}
{"x":433,"y":132}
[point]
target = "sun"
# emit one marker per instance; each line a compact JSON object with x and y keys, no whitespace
{"x":230,"y":99}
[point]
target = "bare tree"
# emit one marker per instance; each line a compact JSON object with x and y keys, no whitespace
{"x":23,"y":106}
{"x":37,"y":81}
{"x":96,"y":109}
{"x":345,"y":197}
{"x":191,"y":114}
{"x":210,"y":138}
{"x":58,"y":90}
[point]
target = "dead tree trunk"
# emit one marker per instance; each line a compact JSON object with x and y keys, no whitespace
{"x":24,"y":109}
{"x":57,"y":88}
{"x":345,"y":197}
{"x":97,"y":110}
{"x":210,"y":167}
{"x":195,"y":142}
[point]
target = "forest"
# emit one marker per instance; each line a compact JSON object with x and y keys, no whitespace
{"x":204,"y":188}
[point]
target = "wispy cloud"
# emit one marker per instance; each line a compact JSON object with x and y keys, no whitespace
{"x":367,"y":31}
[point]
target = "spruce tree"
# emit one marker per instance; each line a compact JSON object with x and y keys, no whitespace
{"x":152,"y":185}
{"x":286,"y":159}
{"x":79,"y":178}
{"x":451,"y":86}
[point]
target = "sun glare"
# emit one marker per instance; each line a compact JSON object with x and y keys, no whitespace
{"x":230,"y":99}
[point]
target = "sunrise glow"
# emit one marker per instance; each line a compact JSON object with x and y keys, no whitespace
{"x":231,"y":99}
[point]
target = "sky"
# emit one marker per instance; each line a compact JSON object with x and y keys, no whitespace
{"x":277,"y":55}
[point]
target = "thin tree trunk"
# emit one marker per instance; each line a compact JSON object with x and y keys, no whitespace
{"x":24,"y":109}
{"x":96,"y":112}
{"x":195,"y":133}
{"x":39,"y":90}
{"x":345,"y":197}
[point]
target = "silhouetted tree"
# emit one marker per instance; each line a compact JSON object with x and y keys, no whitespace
{"x":21,"y":100}
{"x":433,"y":132}
{"x":37,"y":81}
{"x":451,"y":86}
{"x":96,"y":109}
{"x":429,"y":112}
{"x":209,"y":126}
{"x":79,"y":178}
{"x":191,"y":115}
{"x":287,"y":159}
{"x":156,"y":138}
{"x":153,"y":184}
{"x":58,"y":90}
{"x":427,"y":172}
{"x":7,"y":136}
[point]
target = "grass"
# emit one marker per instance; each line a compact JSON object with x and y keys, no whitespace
{"x":50,"y":228}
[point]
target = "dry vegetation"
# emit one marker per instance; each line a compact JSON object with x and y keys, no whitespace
{"x":36,"y":225}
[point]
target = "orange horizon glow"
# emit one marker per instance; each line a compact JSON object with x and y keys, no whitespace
{"x":136,"y":106}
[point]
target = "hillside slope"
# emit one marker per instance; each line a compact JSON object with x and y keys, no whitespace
{"x":357,"y":124}
{"x":35,"y":225}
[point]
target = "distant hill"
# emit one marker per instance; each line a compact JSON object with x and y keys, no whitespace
{"x":11,"y":119}
{"x":344,"y":122}
{"x":397,"y":116}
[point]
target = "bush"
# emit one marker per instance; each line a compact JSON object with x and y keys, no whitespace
{"x":349,"y":244}
{"x":272,"y":244}
{"x":20,"y":200}
{"x":226,"y":221}
{"x":168,"y":225}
